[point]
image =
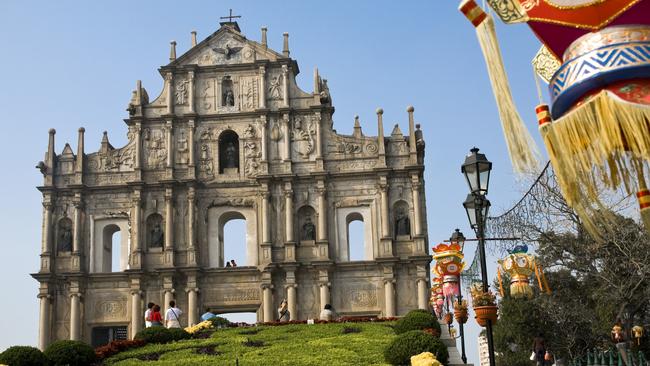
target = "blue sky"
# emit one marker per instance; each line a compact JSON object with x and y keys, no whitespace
{"x":68,"y":64}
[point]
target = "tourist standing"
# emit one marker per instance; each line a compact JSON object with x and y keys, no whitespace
{"x":147,"y":315}
{"x":207,"y":315}
{"x":539,"y":347}
{"x":327,"y":313}
{"x":283,"y":312}
{"x":173,"y":316}
{"x":156,"y":318}
{"x":232,"y":262}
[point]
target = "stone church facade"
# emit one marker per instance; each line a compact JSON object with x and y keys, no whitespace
{"x":231,"y":136}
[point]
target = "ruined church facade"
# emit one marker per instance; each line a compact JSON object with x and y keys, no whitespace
{"x":231,"y":136}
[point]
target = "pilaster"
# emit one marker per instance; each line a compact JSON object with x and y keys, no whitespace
{"x":191,"y":230}
{"x":169,"y":227}
{"x":135,"y":261}
{"x":77,"y":232}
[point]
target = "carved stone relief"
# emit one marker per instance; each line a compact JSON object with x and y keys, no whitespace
{"x":252,"y":154}
{"x":275,"y":87}
{"x":302,"y":135}
{"x":155,"y":150}
{"x":182,"y":148}
{"x":249,"y":93}
{"x":361,"y":296}
{"x":206,"y":166}
{"x":181,"y":91}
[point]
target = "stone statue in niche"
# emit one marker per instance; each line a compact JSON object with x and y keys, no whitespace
{"x":157,"y":236}
{"x":65,"y":237}
{"x":230,"y":157}
{"x":274,"y":89}
{"x":228,"y":98}
{"x":402,"y":223}
{"x":308,"y":230}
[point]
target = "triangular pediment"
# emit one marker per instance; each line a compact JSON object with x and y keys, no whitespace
{"x":226,"y":46}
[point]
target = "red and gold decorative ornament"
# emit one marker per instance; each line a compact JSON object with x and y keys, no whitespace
{"x":520,"y":266}
{"x":449,"y":265}
{"x":595,"y":57}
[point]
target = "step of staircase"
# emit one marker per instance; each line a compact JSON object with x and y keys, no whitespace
{"x":454,"y":355}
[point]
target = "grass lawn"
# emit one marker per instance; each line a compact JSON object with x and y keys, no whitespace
{"x":295,"y":345}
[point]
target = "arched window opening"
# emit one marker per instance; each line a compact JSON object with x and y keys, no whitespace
{"x":356,"y":237}
{"x":234,"y":243}
{"x":155,"y":231}
{"x":111,"y":243}
{"x":116,"y":239}
{"x":240,"y":317}
{"x":64,"y":235}
{"x":228,"y":153}
{"x":306,"y":224}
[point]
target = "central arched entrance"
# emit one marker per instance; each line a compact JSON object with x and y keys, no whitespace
{"x":232,"y":235}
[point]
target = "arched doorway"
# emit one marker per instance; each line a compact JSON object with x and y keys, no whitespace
{"x":232,"y":234}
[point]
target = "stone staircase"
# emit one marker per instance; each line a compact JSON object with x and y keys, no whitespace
{"x":454,"y":354}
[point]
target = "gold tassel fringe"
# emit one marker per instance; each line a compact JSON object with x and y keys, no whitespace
{"x":595,"y":146}
{"x":523,"y":151}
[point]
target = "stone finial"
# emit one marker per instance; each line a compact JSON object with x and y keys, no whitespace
{"x":380,"y":111}
{"x":285,"y":45}
{"x":50,"y":148}
{"x":410,"y":109}
{"x":193,"y":38}
{"x":106,"y":145}
{"x":316,"y":81}
{"x":264,"y":43}
{"x":357,"y":127}
{"x":172,"y":51}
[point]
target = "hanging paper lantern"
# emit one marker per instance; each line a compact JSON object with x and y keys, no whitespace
{"x":595,"y":58}
{"x":450,"y":286}
{"x":449,"y":265}
{"x":520,"y":266}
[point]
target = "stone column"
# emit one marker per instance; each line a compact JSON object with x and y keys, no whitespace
{"x":291,"y":302}
{"x":169,"y":296}
{"x":264,"y":122}
{"x":136,"y":312}
{"x":324,"y":294}
{"x":190,"y":140}
{"x":385,"y":219}
{"x":423,"y":294}
{"x":136,"y":247}
{"x":266,"y":224}
{"x":169,"y":163}
{"x":389,"y":293}
{"x":319,"y":138}
{"x":286,"y":153}
{"x":192,"y":306}
{"x":267,"y":301}
{"x":169,"y":226}
{"x":413,"y":153}
{"x":169,"y":77}
{"x":76,"y":229}
{"x":322,"y":213}
{"x":137,"y":164}
{"x":417,"y":219}
{"x":262,"y":82}
{"x":75,"y":316}
{"x":44,"y":325}
{"x":288,"y":211}
{"x":191,"y":210}
{"x":190,"y":96}
{"x":46,"y":241}
{"x":285,"y":86}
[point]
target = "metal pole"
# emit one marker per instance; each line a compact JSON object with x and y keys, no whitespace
{"x":484,"y":277}
{"x":463,"y":356}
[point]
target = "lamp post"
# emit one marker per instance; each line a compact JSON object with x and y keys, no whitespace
{"x":458,"y":238}
{"x":476,"y":170}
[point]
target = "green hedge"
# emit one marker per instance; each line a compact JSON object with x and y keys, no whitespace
{"x":219,"y":322}
{"x":159,"y":334}
{"x":413,"y":343}
{"x":70,"y":353}
{"x":23,"y":356}
{"x":417,"y":320}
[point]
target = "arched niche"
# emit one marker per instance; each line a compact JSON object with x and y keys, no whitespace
{"x":155,"y":231}
{"x":228,"y":152}
{"x":103,"y":246}
{"x":217,"y":219}
{"x":64,"y":235}
{"x":401,"y":220}
{"x":227,"y":92}
{"x":306,"y":228}
{"x":345,"y":216}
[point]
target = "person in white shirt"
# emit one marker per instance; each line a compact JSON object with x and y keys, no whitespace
{"x":173,"y":316}
{"x":327,"y":313}
{"x":147,"y":315}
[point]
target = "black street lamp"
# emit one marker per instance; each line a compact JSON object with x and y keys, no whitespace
{"x":458,"y":238}
{"x":476,"y":169}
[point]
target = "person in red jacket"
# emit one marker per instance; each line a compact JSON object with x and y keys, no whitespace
{"x":156,"y":318}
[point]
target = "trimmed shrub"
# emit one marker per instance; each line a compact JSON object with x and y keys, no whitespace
{"x":219,"y":322}
{"x":417,"y":320}
{"x":23,"y":356}
{"x":178,"y":334}
{"x":155,"y":334}
{"x":114,"y":347}
{"x":70,"y":353}
{"x":413,"y":343}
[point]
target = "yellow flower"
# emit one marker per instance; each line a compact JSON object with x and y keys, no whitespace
{"x":425,"y":359}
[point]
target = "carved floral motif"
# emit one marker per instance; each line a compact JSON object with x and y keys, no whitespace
{"x":302,"y":135}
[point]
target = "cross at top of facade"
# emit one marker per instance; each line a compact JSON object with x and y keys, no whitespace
{"x":230,"y":17}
